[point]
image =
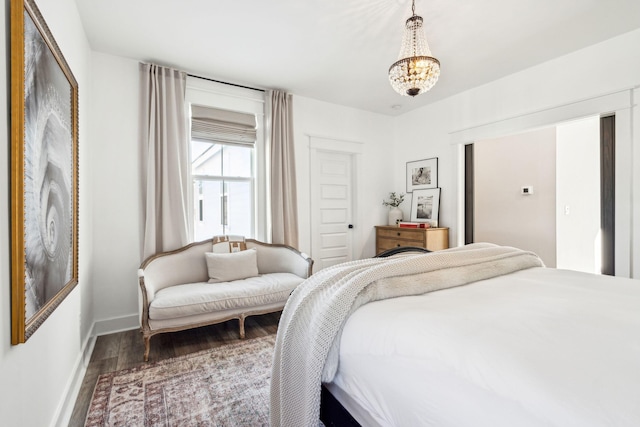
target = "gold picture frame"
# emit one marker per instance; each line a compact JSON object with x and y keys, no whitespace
{"x":44,"y":172}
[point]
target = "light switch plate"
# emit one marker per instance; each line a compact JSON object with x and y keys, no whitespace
{"x":527,"y":190}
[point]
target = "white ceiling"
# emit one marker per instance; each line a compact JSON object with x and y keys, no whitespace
{"x":339,"y":51}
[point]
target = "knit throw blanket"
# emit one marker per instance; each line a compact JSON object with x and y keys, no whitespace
{"x":307,"y":344}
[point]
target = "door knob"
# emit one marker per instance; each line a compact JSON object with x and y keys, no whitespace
{"x":350,"y":225}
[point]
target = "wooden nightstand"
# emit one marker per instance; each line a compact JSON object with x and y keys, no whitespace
{"x":388,"y":237}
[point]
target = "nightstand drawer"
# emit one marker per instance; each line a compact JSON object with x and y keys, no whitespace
{"x":384,"y":244}
{"x":389,"y":237}
{"x":398,"y":233}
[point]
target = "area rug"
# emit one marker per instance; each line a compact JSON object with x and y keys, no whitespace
{"x":224,"y":386}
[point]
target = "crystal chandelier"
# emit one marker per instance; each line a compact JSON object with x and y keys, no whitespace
{"x":416,"y":71}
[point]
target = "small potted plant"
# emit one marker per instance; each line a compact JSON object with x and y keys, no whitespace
{"x":394,"y":202}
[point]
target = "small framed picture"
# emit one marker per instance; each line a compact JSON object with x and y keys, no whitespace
{"x":422,"y":174}
{"x":425,"y":206}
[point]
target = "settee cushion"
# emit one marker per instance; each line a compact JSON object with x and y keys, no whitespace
{"x":225,"y":267}
{"x":197,"y":298}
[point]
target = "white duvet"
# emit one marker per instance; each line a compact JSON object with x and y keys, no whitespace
{"x":539,"y":347}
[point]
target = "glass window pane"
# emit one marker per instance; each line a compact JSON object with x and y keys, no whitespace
{"x":206,"y":158}
{"x":239,"y":209}
{"x":237,"y":161}
{"x":221,"y":206}
{"x":207,"y":221}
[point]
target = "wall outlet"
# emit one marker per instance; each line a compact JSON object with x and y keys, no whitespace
{"x":527,"y":190}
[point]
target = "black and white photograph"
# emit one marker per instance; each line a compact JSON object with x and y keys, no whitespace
{"x":422,"y":174}
{"x":45,"y":260}
{"x":425,"y":206}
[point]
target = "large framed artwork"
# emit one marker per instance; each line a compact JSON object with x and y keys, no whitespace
{"x":44,"y":172}
{"x":422,"y":174}
{"x":425,"y":206}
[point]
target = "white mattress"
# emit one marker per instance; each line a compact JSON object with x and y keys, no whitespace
{"x":537,"y":347}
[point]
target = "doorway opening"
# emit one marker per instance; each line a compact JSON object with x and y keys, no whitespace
{"x":550,"y":191}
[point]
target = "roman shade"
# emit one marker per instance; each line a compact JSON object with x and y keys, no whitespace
{"x":222,"y":126}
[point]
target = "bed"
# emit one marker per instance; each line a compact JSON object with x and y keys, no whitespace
{"x":472,"y":336}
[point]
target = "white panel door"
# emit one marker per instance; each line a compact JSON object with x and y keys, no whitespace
{"x":331,"y":208}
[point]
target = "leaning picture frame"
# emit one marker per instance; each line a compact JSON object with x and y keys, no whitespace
{"x":44,"y":172}
{"x":422,"y":174}
{"x":425,"y":206}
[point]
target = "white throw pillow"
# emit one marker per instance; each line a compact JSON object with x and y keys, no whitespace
{"x":232,"y":266}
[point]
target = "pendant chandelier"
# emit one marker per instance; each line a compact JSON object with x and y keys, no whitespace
{"x":416,"y":71}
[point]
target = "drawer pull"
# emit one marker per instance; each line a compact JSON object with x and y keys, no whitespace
{"x":398,"y":233}
{"x":398,"y":245}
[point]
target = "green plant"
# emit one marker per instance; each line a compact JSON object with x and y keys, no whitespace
{"x":394,"y":200}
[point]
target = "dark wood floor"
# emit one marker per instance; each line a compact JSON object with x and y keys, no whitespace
{"x":125,"y":350}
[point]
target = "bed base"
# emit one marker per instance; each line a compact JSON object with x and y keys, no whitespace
{"x":332,"y":413}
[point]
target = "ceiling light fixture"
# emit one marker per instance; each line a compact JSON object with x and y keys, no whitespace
{"x":416,"y":71}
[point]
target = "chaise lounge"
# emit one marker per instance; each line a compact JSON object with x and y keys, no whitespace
{"x":214,"y":281}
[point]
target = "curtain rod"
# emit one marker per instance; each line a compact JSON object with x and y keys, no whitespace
{"x":226,"y":83}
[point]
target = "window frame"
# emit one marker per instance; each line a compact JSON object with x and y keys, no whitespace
{"x":219,"y":95}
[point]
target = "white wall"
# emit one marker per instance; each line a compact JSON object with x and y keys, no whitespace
{"x":502,"y":214}
{"x":115,"y":167}
{"x":35,"y":377}
{"x":375,"y":133}
{"x":434,"y":130}
{"x":578,"y":195}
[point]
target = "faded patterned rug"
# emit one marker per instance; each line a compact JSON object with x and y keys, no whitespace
{"x":224,"y":386}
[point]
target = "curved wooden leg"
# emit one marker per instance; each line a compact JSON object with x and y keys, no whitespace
{"x":147,"y":345}
{"x":241,"y":321}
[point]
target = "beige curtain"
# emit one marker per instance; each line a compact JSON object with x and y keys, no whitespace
{"x":165,"y":159}
{"x":284,"y":213}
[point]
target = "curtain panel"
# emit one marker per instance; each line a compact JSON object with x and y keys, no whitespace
{"x":165,"y":159}
{"x":284,"y":207}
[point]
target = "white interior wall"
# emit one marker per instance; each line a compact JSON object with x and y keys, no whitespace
{"x":502,"y":214}
{"x":578,"y":195}
{"x":116,"y":185}
{"x":38,"y":379}
{"x":432,"y":131}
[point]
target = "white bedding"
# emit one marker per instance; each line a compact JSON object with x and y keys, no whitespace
{"x":535,"y":347}
{"x":308,"y":340}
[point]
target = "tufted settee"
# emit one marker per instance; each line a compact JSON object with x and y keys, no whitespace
{"x":199,"y":284}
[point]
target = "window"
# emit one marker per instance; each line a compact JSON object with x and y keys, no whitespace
{"x":228,"y":156}
{"x":223,"y":189}
{"x":222,"y":167}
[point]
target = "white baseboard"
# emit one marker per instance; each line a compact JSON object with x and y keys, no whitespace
{"x":75,"y":383}
{"x":116,"y":324}
{"x":101,"y":327}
